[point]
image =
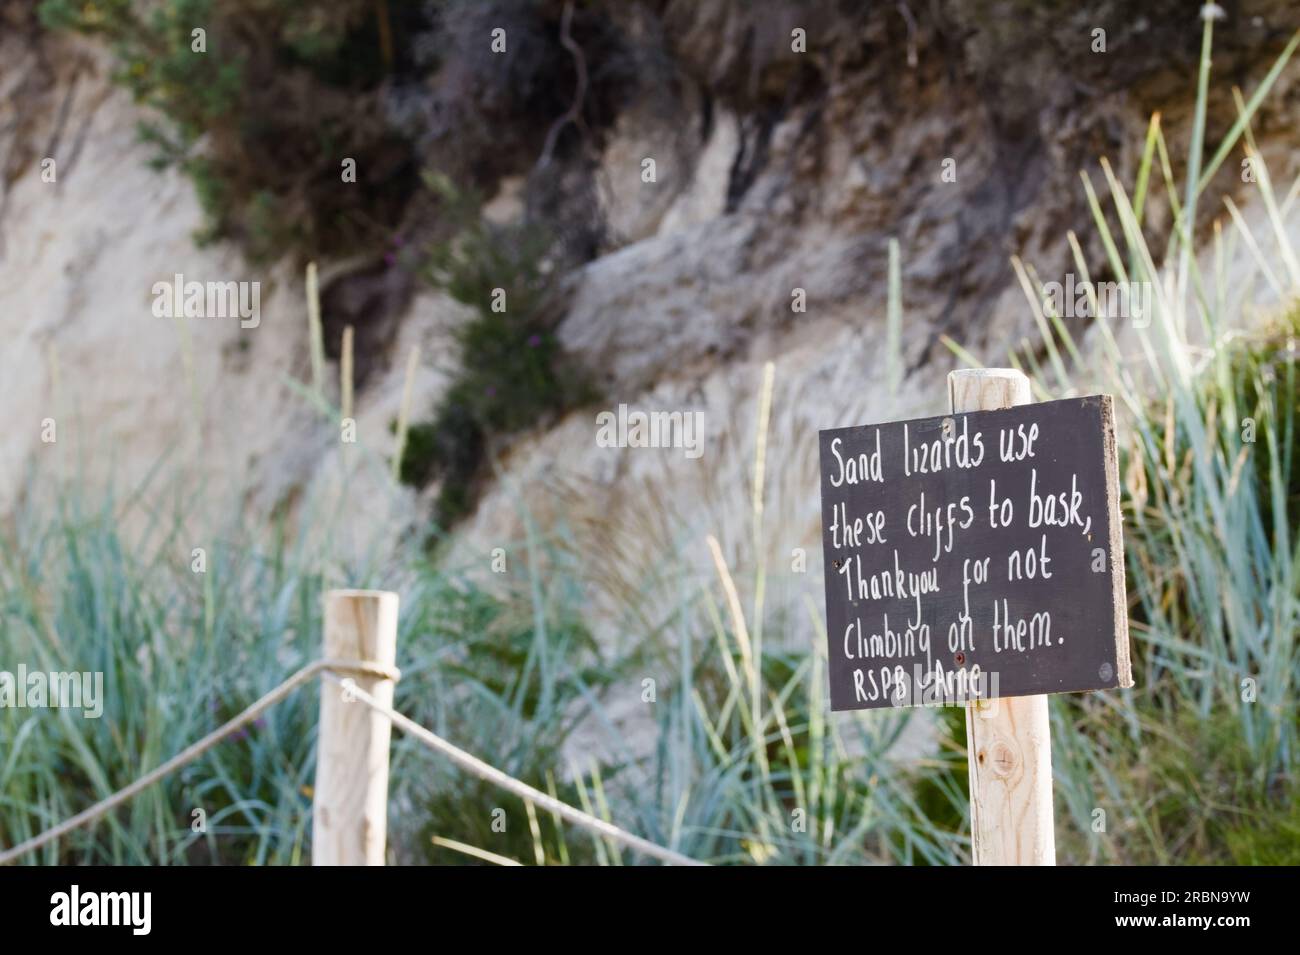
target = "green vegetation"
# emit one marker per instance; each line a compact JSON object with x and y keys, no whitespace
{"x":507,"y":674}
{"x":512,"y":373}
{"x":1204,"y":748}
{"x":261,"y":102}
{"x":261,"y":109}
{"x":180,"y":652}
{"x":1198,"y":760}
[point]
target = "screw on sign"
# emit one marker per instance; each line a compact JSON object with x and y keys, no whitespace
{"x":976,"y":559}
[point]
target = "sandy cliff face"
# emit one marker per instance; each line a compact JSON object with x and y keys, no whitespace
{"x":699,"y":292}
{"x":201,"y":410}
{"x":775,"y":186}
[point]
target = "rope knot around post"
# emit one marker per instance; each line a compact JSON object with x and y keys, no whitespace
{"x":371,"y":668}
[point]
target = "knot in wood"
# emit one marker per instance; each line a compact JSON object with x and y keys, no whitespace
{"x":1003,"y":759}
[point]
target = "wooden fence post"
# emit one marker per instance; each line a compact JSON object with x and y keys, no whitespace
{"x":350,"y":802}
{"x":1008,"y":741}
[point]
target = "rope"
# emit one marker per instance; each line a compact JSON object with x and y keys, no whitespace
{"x":524,"y":791}
{"x":331,"y":668}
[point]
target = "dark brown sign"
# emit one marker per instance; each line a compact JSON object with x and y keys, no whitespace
{"x":974,"y":556}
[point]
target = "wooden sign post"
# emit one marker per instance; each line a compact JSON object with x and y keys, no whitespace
{"x":1008,"y":741}
{"x":976,"y":559}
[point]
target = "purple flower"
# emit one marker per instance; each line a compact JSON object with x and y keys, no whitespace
{"x":390,"y":259}
{"x":490,"y":391}
{"x":534,"y":340}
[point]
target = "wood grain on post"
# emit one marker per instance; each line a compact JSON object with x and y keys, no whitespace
{"x":350,"y":802}
{"x":1008,"y":741}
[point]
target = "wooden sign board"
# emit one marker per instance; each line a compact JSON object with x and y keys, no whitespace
{"x":974,"y":556}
